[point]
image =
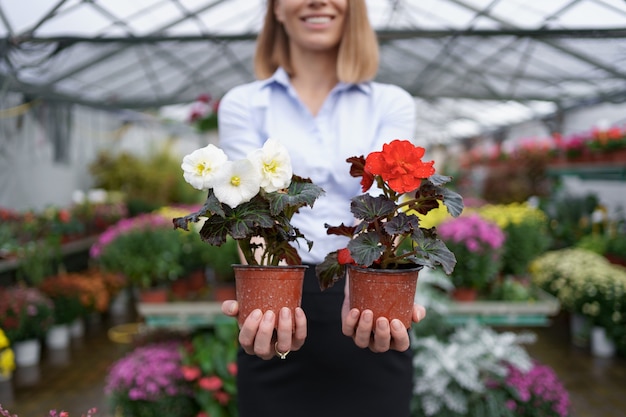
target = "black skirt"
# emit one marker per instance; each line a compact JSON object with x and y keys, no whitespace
{"x":329,"y":376}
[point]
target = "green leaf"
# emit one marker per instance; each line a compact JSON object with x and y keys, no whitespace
{"x":453,"y":201}
{"x":402,"y":224}
{"x":211,"y":206}
{"x":433,"y":252}
{"x":366,"y":248}
{"x":329,"y":271}
{"x":301,"y":192}
{"x":370,"y":208}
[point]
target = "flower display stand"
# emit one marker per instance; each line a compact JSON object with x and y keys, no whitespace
{"x":179,"y":315}
{"x":505,"y":313}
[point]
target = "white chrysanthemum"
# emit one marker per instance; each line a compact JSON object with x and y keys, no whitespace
{"x":202,"y":165}
{"x":237,"y":182}
{"x":274,"y":163}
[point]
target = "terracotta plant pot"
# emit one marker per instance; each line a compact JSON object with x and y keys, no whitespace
{"x":463,"y":294}
{"x":388,"y":293}
{"x":268,"y":288}
{"x":154,"y":295}
{"x":223,"y":292}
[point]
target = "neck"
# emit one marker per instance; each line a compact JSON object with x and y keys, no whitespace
{"x":314,"y":76}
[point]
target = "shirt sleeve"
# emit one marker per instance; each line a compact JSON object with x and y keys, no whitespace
{"x":238,"y":134}
{"x":398,"y":110}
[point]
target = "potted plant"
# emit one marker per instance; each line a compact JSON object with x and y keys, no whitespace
{"x":149,"y":382}
{"x":145,"y":249}
{"x":387,"y":241}
{"x":209,"y":363}
{"x":591,"y":289}
{"x":26,"y":315}
{"x":526,"y":230}
{"x":65,"y":295}
{"x":477,"y":244}
{"x":253,"y":200}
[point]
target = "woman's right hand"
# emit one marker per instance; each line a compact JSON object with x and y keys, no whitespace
{"x":257,"y":335}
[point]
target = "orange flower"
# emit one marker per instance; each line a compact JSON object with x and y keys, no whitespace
{"x":400,"y":165}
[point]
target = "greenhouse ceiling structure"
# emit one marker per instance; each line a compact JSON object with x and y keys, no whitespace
{"x":460,"y":57}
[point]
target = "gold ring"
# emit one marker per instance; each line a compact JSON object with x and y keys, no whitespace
{"x":280,"y":354}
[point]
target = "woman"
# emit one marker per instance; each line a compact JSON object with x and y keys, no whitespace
{"x":315,"y":61}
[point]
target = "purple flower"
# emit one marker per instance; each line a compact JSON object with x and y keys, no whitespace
{"x":148,"y":373}
{"x":540,"y":387}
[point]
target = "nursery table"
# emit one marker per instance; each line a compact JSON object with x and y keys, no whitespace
{"x":506,"y":313}
{"x":183,"y":315}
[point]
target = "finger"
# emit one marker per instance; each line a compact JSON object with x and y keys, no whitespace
{"x":284,"y":332}
{"x":349,"y":323}
{"x":248,"y":331}
{"x":419,"y":312}
{"x":230,"y":307}
{"x":364,"y":329}
{"x":300,"y":333}
{"x":382,"y":336}
{"x":263,"y":343}
{"x":399,"y":336}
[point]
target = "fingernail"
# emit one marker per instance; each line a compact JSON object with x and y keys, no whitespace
{"x":284,"y":313}
{"x":354,"y":314}
{"x":269,"y":316}
{"x":368,"y":316}
{"x":256,"y":314}
{"x":421,"y":314}
{"x":397,"y":324}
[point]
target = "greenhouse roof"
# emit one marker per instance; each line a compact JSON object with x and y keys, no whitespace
{"x":532,"y":56}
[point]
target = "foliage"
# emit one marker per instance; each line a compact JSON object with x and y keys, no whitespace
{"x":145,"y":249}
{"x":477,"y":244}
{"x":388,"y":236}
{"x":148,"y":382}
{"x":210,"y":364}
{"x":569,"y":218}
{"x":526,"y":230}
{"x":586,"y":283}
{"x":7,"y":358}
{"x":147,"y":182}
{"x":255,"y":197}
{"x":25,"y":313}
{"x":97,"y":209}
{"x":453,"y":373}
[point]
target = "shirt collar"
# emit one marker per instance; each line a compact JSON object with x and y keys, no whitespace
{"x":280,"y":77}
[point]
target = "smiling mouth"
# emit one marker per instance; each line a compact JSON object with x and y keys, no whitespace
{"x":317,"y":19}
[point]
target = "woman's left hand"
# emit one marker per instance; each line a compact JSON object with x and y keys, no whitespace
{"x":379,"y":336}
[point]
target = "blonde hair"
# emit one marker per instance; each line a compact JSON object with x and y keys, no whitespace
{"x":357,"y":59}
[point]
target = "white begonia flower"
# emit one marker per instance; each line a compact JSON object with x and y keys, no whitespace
{"x":202,"y":165}
{"x":237,"y":182}
{"x":274,"y":163}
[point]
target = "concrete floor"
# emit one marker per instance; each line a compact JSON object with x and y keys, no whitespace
{"x":73,"y":380}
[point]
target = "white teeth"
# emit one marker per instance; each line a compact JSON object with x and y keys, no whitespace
{"x":318,"y":19}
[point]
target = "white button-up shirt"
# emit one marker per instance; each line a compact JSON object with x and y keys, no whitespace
{"x":354,"y":120}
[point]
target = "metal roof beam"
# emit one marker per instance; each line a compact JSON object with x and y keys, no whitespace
{"x":561,"y":48}
{"x":107,"y":55}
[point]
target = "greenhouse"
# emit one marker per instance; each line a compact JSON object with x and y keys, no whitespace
{"x":106,"y":108}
